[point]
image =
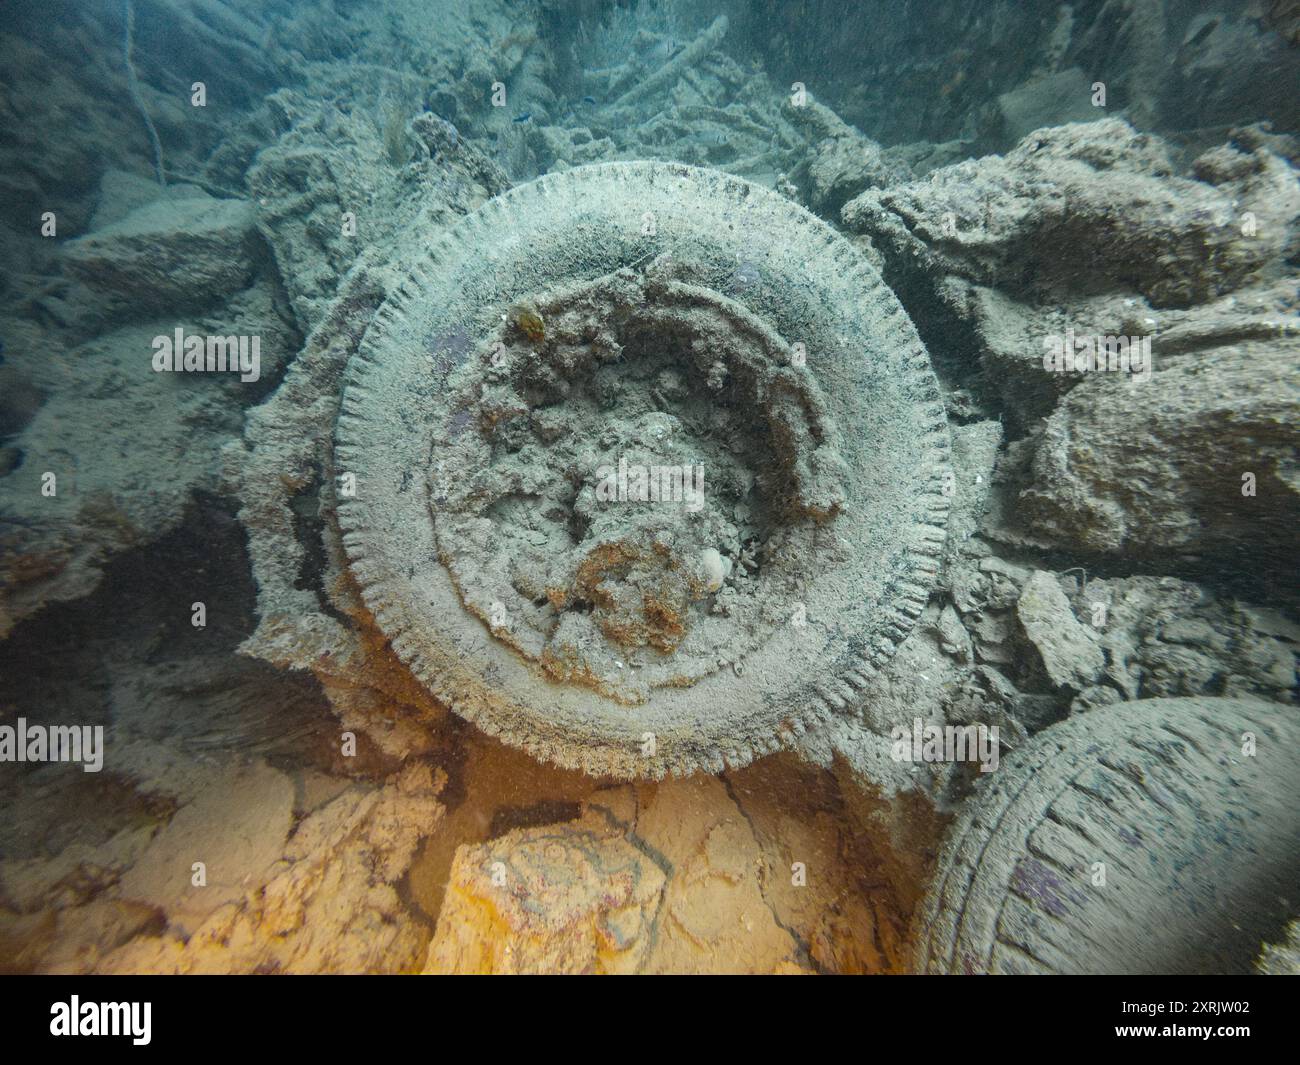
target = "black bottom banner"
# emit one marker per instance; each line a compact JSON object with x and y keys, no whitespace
{"x":338,"y":1014}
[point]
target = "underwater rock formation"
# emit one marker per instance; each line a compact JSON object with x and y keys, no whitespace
{"x":321,"y":204}
{"x":1069,"y":656}
{"x":565,"y":899}
{"x":1166,"y":637}
{"x":692,"y":876}
{"x":1085,"y":229}
{"x":1088,"y":208}
{"x":67,"y":510}
{"x":328,"y":904}
{"x":170,"y":253}
{"x":1231,"y":415}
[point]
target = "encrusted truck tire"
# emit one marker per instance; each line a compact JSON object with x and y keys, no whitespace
{"x":552,"y":356}
{"x":1140,"y":838}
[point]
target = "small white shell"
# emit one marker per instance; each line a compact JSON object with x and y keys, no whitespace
{"x":714,"y":567}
